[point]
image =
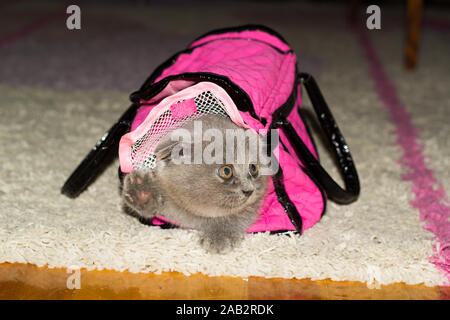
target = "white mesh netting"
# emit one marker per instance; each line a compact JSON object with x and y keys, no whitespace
{"x":142,"y":151}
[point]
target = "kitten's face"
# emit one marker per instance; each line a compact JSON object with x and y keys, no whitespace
{"x":213,"y":190}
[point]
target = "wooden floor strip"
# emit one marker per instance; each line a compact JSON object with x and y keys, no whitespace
{"x":25,"y":281}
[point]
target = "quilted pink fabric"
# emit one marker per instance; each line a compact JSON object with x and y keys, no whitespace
{"x":265,"y":68}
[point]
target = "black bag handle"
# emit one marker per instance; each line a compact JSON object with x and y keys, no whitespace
{"x":100,"y":156}
{"x":339,"y":146}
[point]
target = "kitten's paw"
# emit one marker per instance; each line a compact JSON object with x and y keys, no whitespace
{"x":219,"y":243}
{"x":138,"y":190}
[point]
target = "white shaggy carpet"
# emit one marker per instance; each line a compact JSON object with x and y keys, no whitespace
{"x":379,"y":239}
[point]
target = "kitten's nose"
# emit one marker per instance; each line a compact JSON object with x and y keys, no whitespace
{"x":247,"y":193}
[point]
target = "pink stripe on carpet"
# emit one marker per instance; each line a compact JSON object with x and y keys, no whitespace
{"x":31,"y":27}
{"x":430,"y":197}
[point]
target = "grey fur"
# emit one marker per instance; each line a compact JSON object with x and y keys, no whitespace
{"x":194,"y":196}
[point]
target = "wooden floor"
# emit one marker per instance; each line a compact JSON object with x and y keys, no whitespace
{"x":24,"y":281}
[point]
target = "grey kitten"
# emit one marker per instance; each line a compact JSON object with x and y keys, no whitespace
{"x":219,"y":200}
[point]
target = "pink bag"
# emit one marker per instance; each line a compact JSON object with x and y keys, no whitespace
{"x":250,"y":74}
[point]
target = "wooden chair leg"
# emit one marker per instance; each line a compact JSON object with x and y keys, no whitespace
{"x":413,"y":23}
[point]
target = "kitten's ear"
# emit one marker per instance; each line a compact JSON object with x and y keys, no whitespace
{"x":164,"y":152}
{"x":176,"y":151}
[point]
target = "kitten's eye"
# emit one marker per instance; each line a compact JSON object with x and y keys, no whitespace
{"x":225,"y":172}
{"x":253,"y":170}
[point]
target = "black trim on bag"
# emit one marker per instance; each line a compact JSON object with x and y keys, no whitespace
{"x":248,"y":39}
{"x":280,"y":190}
{"x":239,"y":96}
{"x":285,"y":201}
{"x":248,"y":27}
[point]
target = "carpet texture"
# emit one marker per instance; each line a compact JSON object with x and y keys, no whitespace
{"x":60,"y":90}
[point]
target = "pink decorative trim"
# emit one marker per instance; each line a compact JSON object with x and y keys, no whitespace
{"x":183,"y":109}
{"x":430,"y":197}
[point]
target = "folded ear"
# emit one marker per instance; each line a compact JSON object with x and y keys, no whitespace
{"x":175,"y":146}
{"x":163,"y":152}
{"x":178,"y":152}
